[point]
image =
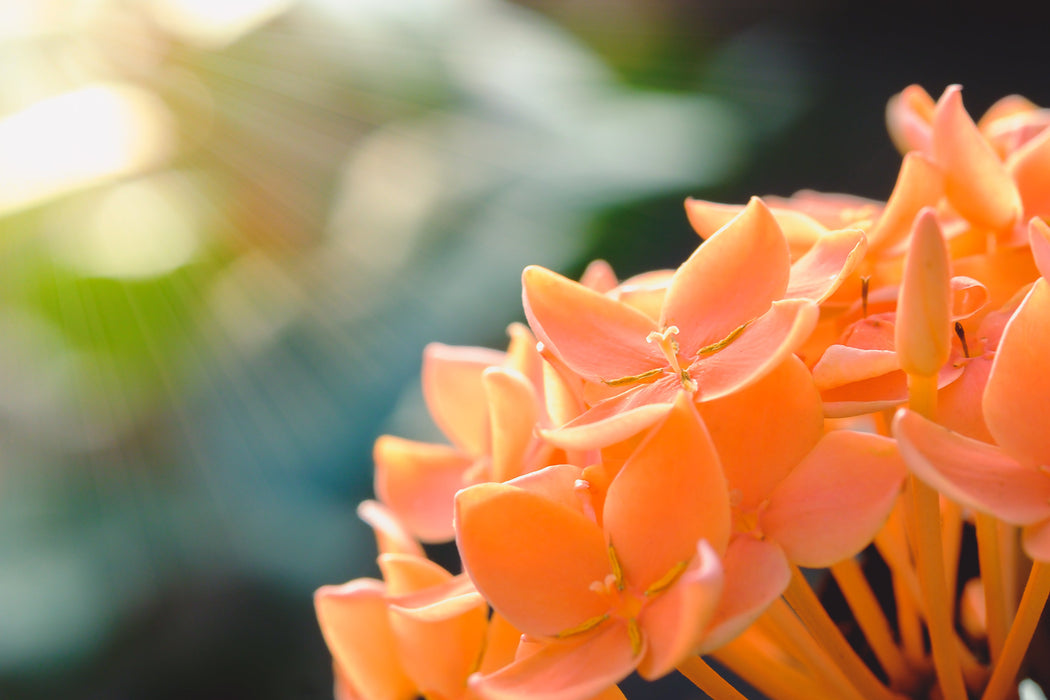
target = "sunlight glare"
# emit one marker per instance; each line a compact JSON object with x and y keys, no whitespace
{"x":78,"y":139}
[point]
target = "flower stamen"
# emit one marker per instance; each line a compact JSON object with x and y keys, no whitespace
{"x":669,"y":346}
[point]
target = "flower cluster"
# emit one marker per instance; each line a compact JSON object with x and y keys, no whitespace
{"x":636,"y":481}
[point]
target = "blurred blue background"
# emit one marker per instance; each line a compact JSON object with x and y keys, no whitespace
{"x":227,"y":229}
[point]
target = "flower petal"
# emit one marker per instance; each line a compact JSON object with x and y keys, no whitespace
{"x":440,"y":634}
{"x":353,"y":619}
{"x":501,"y":643}
{"x":417,"y":481}
{"x":976,"y":474}
{"x":909,"y":117}
{"x":762,"y":431}
{"x":976,"y":181}
{"x":573,"y":669}
{"x":531,"y":557}
{"x":669,"y":495}
{"x":818,"y":273}
{"x":610,"y":421}
{"x":835,"y":500}
{"x":762,"y":346}
{"x":675,"y":621}
{"x":597,"y":337}
{"x":1036,"y":540}
{"x":800,"y":230}
{"x":454,"y":394}
{"x":1039,"y":239}
{"x":407,"y":573}
{"x":513,"y":413}
{"x":730,"y":279}
{"x":391,"y":535}
{"x":1015,"y":398}
{"x":919,"y":184}
{"x":1030,"y":168}
{"x":756,"y":573}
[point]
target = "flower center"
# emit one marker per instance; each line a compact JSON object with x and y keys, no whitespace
{"x":669,"y":346}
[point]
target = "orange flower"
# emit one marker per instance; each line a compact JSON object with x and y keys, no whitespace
{"x":488,"y":404}
{"x":1010,"y":480}
{"x":798,"y":495}
{"x":724,"y":322}
{"x":611,"y":584}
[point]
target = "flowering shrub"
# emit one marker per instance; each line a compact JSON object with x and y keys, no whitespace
{"x":635,"y":483}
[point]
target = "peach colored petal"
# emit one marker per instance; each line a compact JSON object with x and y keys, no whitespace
{"x":531,"y":557}
{"x":1001,"y":271}
{"x":669,"y":494}
{"x":612,"y":420}
{"x":556,"y":483}
{"x":645,"y":292}
{"x":866,"y":396}
{"x":832,"y":210}
{"x":353,"y":619}
{"x":1030,"y":168}
{"x":599,"y":276}
{"x":391,"y":535}
{"x":730,"y":279}
{"x":757,"y":350}
{"x":513,"y":413}
{"x":596,"y":336}
{"x":673,"y":623}
{"x":909,"y":117}
{"x":756,"y":573}
{"x":835,"y":500}
{"x":923,"y":330}
{"x":562,"y":391}
{"x":976,"y":181}
{"x":1036,"y":540}
{"x":501,"y":643}
{"x":450,"y":598}
{"x":1005,"y":108}
{"x":407,"y":573}
{"x":818,"y":273}
{"x":800,"y":230}
{"x":454,"y":395}
{"x":762,"y":431}
{"x":841,"y":365}
{"x":417,"y":481}
{"x":440,"y":636}
{"x":1015,"y":398}
{"x":959,"y":403}
{"x":919,"y":184}
{"x":976,"y":474}
{"x":968,"y":296}
{"x":707,"y":217}
{"x":574,"y":669}
{"x":1039,"y":239}
{"x":522,"y":354}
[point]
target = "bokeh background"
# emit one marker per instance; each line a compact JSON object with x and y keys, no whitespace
{"x":229,"y":227}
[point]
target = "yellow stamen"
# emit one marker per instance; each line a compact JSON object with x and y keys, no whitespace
{"x":669,"y":346}
{"x":583,"y":626}
{"x":667,"y":579}
{"x":633,"y":378}
{"x":617,"y":569}
{"x":636,"y":636}
{"x":715,"y":347}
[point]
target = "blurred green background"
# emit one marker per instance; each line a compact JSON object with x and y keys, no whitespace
{"x":228,"y":228}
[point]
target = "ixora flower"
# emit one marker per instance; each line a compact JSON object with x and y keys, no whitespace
{"x":731,"y":313}
{"x":610,"y":579}
{"x":488,"y":403}
{"x":1009,"y":479}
